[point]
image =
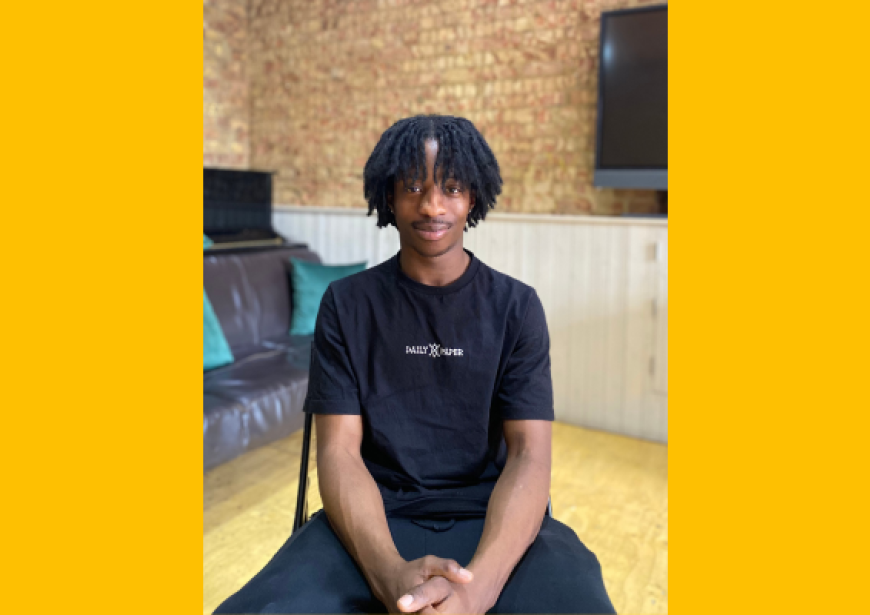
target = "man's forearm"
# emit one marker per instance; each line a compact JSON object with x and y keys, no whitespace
{"x":513,"y":519}
{"x":355,"y":510}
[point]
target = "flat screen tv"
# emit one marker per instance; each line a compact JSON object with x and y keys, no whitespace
{"x":631,"y":149}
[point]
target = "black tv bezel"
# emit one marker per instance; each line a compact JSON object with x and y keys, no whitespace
{"x":653,"y":178}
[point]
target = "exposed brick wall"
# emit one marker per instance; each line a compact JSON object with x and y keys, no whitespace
{"x":226,"y":108}
{"x":327,"y":77}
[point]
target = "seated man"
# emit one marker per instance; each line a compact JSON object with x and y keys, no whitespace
{"x":430,"y":382}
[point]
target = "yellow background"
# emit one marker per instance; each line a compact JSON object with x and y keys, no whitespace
{"x":101,"y":204}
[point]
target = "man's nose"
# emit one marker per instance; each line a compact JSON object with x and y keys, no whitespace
{"x":432,"y":204}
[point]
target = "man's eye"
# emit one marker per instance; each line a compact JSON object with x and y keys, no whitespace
{"x":454,"y":189}
{"x":413,"y":188}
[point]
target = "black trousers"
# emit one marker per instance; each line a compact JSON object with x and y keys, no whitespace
{"x":313,"y":572}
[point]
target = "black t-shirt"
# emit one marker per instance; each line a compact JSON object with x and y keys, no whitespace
{"x":433,"y":370}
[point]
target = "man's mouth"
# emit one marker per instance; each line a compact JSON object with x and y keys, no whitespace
{"x":431,"y":232}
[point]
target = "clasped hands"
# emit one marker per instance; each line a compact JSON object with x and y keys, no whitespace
{"x":433,"y":585}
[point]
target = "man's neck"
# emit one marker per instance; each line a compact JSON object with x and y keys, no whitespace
{"x":438,"y":270}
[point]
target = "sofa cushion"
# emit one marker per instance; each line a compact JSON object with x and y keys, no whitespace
{"x":256,"y":400}
{"x":222,"y":430}
{"x":251,"y":295}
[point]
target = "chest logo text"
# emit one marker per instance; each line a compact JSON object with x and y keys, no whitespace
{"x":434,"y":351}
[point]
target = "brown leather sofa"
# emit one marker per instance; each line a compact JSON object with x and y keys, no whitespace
{"x":258,"y":398}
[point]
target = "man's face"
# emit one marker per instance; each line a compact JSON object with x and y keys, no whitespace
{"x":431,"y":220}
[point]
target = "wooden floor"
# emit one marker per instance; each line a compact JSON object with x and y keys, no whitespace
{"x":611,"y":490}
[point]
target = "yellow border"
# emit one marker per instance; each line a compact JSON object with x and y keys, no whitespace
{"x":102,"y":193}
{"x":768,"y":310}
{"x":101,"y":399}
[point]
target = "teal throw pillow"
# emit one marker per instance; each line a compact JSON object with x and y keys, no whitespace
{"x":310,"y":281}
{"x":215,"y":349}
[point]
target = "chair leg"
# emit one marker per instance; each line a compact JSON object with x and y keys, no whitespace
{"x":302,"y":495}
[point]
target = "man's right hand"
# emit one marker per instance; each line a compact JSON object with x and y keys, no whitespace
{"x":425,"y":580}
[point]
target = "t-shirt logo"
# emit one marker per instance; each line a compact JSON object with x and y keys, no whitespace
{"x":434,"y":351}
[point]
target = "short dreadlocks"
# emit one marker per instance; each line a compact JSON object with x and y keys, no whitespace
{"x":463,"y":155}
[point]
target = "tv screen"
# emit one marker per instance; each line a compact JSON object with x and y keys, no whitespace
{"x":632,"y":127}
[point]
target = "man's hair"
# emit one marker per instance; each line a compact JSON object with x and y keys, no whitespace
{"x":463,"y":155}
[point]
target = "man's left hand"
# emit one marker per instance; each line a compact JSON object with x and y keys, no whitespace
{"x":464,"y":598}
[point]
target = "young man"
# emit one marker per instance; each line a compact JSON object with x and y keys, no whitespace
{"x":430,"y":382}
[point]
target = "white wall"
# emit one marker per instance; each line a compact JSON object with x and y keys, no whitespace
{"x":603,"y":283}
